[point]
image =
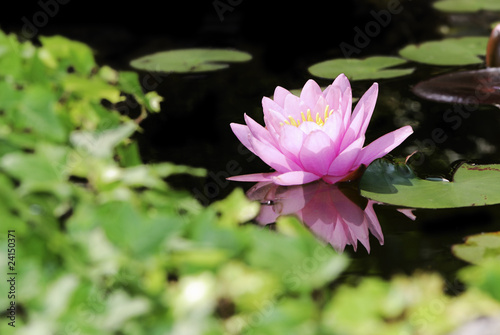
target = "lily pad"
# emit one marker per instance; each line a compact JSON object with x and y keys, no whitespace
{"x":189,"y":60}
{"x":397,"y":184}
{"x":450,"y":51}
{"x":465,"y":87}
{"x":478,"y":248}
{"x":467,"y":6}
{"x":376,"y":67}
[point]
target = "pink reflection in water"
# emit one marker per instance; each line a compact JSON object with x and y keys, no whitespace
{"x":335,"y":213}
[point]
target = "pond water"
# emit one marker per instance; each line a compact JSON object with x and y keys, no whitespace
{"x":193,"y":127}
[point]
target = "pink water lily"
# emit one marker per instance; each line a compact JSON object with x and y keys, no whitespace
{"x":315,"y":136}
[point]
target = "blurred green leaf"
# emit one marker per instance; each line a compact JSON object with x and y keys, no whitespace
{"x":140,"y":233}
{"x":376,"y":67}
{"x":59,"y":52}
{"x":102,"y":144}
{"x":477,"y":248}
{"x":189,"y":60}
{"x":484,"y":277}
{"x":450,"y":51}
{"x":466,"y":6}
{"x":302,"y":262}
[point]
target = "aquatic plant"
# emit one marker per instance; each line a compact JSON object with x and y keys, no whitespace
{"x":315,"y":136}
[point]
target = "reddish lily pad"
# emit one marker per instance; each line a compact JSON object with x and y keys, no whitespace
{"x":466,"y":87}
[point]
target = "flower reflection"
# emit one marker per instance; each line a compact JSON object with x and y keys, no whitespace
{"x":335,"y":213}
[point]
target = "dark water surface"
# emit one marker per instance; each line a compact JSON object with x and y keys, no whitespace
{"x":284,"y":39}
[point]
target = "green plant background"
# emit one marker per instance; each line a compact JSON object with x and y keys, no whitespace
{"x":104,"y":245}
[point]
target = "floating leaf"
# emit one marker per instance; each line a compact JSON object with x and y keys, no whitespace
{"x":396,"y":184}
{"x":450,"y":51}
{"x":478,"y":248}
{"x":464,"y":6}
{"x":466,"y":87}
{"x":189,"y":60}
{"x":360,"y":69}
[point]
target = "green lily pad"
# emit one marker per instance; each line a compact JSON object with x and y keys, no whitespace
{"x":189,"y":60}
{"x":376,"y":67}
{"x":396,"y":184}
{"x":478,"y":248}
{"x":466,"y":6}
{"x":450,"y":51}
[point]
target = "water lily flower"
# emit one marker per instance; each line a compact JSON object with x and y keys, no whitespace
{"x":314,"y":136}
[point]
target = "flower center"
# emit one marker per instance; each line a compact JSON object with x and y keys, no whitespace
{"x":320,"y":121}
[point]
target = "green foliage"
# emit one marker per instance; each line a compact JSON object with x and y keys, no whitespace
{"x":478,"y":248}
{"x":396,"y":184}
{"x":105,"y":246}
{"x":377,"y":67}
{"x":466,"y":6}
{"x":450,"y":51}
{"x":189,"y":60}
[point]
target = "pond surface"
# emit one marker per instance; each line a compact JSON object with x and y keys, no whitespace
{"x":193,"y":127}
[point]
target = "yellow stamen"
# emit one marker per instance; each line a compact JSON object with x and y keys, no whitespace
{"x":308,"y":117}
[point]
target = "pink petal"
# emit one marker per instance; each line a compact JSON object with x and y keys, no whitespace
{"x":333,"y":99}
{"x":274,"y":120}
{"x":255,"y":177}
{"x":243,"y":134}
{"x":340,"y":236}
{"x":332,"y":179}
{"x":342,"y":82}
{"x":359,"y":232}
{"x":373,"y":223}
{"x":383,"y":145}
{"x":309,"y":126}
{"x":344,"y":162}
{"x":292,"y":107}
{"x":295,"y":178}
{"x":273,"y":114}
{"x":310,"y":93}
{"x":339,"y":98}
{"x":408,"y":212}
{"x":279,"y":95}
{"x":266,"y":215}
{"x":291,"y":140}
{"x":259,"y":132}
{"x":316,"y":154}
{"x":354,"y":129}
{"x":365,"y":106}
{"x":268,"y":104}
{"x":333,"y":127}
{"x":273,"y":157}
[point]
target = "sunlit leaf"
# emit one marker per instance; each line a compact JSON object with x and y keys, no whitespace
{"x":189,"y":60}
{"x":451,"y":51}
{"x":464,"y":6}
{"x":396,"y":184}
{"x":58,"y":51}
{"x":376,"y":67}
{"x":477,"y":248}
{"x":102,"y":144}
